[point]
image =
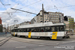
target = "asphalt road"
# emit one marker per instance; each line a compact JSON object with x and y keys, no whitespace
{"x":21,"y":43}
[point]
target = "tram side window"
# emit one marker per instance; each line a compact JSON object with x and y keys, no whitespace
{"x":36,"y":29}
{"x":61,"y":28}
{"x":52,"y":29}
{"x":57,"y":28}
{"x":15,"y":30}
{"x":18,"y":30}
{"x":47,"y":29}
{"x":28,"y":29}
{"x":42,"y":29}
{"x":24,"y":30}
{"x":32,"y":29}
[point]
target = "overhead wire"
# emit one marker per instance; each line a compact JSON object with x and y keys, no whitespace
{"x":62,"y":7}
{"x":5,"y":8}
{"x":23,"y":11}
{"x":31,"y":4}
{"x":26,"y":6}
{"x":20,"y":8}
{"x":66,"y":6}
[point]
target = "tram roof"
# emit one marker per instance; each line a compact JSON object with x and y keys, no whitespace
{"x":40,"y":25}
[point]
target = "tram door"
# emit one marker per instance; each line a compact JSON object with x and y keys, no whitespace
{"x":54,"y":33}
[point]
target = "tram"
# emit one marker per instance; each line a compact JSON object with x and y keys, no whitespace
{"x":41,"y":30}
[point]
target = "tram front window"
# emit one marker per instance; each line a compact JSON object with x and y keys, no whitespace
{"x":62,"y":28}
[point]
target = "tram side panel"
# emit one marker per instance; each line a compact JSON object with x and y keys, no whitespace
{"x":52,"y":35}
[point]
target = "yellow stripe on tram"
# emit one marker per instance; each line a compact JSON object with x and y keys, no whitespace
{"x":14,"y":34}
{"x":54,"y":35}
{"x":29,"y":35}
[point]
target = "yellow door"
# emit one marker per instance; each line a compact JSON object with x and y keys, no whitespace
{"x":14,"y":34}
{"x":54,"y":35}
{"x":29,"y":35}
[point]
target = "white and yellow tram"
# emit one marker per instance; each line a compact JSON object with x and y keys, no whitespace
{"x":38,"y":30}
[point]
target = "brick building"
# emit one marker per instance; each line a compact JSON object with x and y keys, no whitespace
{"x":1,"y":26}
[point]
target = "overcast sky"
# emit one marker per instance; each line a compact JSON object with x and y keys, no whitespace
{"x":65,"y":6}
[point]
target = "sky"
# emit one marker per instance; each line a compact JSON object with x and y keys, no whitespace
{"x":10,"y":17}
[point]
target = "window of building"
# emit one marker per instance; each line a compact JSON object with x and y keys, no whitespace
{"x":41,"y":18}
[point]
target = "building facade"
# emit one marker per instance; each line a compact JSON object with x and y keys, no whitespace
{"x":43,"y":16}
{"x":69,"y":22}
{"x":25,"y":23}
{"x":1,"y":26}
{"x":4,"y":29}
{"x":9,"y":28}
{"x":55,"y":17}
{"x":74,"y":25}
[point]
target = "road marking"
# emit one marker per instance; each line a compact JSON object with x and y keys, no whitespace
{"x":21,"y":47}
{"x":68,"y":42}
{"x":57,"y":43}
{"x":41,"y":45}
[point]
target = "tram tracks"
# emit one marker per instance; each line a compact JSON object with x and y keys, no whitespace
{"x":4,"y":40}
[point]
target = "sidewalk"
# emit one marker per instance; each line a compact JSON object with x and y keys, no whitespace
{"x":1,"y":38}
{"x":72,"y":36}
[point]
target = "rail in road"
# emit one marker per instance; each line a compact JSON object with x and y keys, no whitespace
{"x":4,"y":37}
{"x":4,"y":40}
